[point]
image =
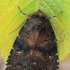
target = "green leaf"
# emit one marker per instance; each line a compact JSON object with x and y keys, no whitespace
{"x":11,"y":18}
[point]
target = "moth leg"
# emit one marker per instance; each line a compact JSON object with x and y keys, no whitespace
{"x":61,"y":39}
{"x":17,"y":27}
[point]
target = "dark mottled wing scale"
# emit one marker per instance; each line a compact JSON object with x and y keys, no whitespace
{"x":35,"y":48}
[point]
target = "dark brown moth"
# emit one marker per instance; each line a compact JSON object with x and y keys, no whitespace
{"x":35,"y":48}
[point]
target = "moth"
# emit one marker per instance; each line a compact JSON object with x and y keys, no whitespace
{"x":35,"y":48}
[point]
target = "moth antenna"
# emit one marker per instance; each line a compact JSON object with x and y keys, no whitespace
{"x":23,"y":12}
{"x":55,"y":15}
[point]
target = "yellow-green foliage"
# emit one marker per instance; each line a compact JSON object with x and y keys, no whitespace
{"x":11,"y":18}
